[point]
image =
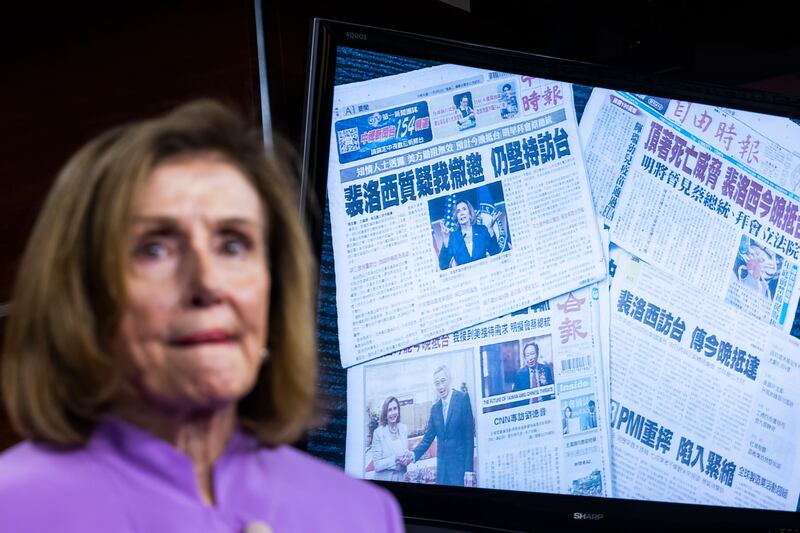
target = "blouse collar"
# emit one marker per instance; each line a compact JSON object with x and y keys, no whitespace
{"x":116,"y":438}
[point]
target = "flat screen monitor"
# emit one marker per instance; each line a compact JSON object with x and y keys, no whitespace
{"x":553,"y":295}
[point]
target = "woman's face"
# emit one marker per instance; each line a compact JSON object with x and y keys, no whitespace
{"x":193,"y":329}
{"x":462,"y":213}
{"x":392,"y":412}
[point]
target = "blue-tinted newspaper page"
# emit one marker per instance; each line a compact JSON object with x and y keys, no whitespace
{"x":456,"y":196}
{"x":703,"y":397}
{"x":699,"y":192}
{"x":516,"y":403}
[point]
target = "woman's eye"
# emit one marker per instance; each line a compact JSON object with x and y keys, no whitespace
{"x":152,"y":250}
{"x":234,"y":247}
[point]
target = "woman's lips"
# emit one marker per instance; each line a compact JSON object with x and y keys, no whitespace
{"x":211,"y":336}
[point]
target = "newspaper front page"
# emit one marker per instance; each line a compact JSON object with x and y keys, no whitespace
{"x":456,"y":195}
{"x":765,"y":145}
{"x":537,"y":405}
{"x":704,"y":398}
{"x":699,"y":192}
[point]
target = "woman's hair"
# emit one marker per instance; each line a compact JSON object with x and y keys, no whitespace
{"x":58,"y":375}
{"x":385,"y":410}
{"x":472,"y":214}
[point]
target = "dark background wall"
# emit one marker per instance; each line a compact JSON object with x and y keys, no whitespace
{"x":69,"y":72}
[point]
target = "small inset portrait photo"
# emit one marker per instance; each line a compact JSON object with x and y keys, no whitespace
{"x":536,"y":366}
{"x":757,"y":268}
{"x":517,"y":365}
{"x":465,"y":112}
{"x":578,"y":414}
{"x":508,"y":100}
{"x":469,"y":225}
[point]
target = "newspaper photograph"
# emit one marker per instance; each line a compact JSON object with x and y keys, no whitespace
{"x":456,"y":195}
{"x":516,"y":403}
{"x":703,"y":397}
{"x":695,"y":191}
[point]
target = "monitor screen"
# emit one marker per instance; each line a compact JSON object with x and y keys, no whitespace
{"x":546,"y":283}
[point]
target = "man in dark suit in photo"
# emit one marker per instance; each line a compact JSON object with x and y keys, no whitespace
{"x":452,"y":425}
{"x":533,"y":374}
{"x":589,"y":419}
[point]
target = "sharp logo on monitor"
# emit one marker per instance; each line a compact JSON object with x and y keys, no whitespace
{"x":588,"y":516}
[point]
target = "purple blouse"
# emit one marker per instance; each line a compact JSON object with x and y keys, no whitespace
{"x":126,"y":480}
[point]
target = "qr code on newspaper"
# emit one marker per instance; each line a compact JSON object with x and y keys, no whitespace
{"x":348,"y":140}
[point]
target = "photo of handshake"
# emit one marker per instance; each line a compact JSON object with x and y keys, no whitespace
{"x":403,"y":459}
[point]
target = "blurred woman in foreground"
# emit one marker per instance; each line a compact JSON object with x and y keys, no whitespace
{"x":160,"y":351}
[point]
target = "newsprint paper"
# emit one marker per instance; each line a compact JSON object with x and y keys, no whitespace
{"x":532,"y":427}
{"x":704,"y":398}
{"x":444,"y":187}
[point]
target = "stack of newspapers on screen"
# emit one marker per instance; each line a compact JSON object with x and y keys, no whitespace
{"x":608,"y":279}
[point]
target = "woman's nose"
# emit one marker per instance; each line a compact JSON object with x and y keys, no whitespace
{"x":203,"y":287}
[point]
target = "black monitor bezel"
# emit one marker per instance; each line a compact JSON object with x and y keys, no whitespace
{"x":501,"y":510}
